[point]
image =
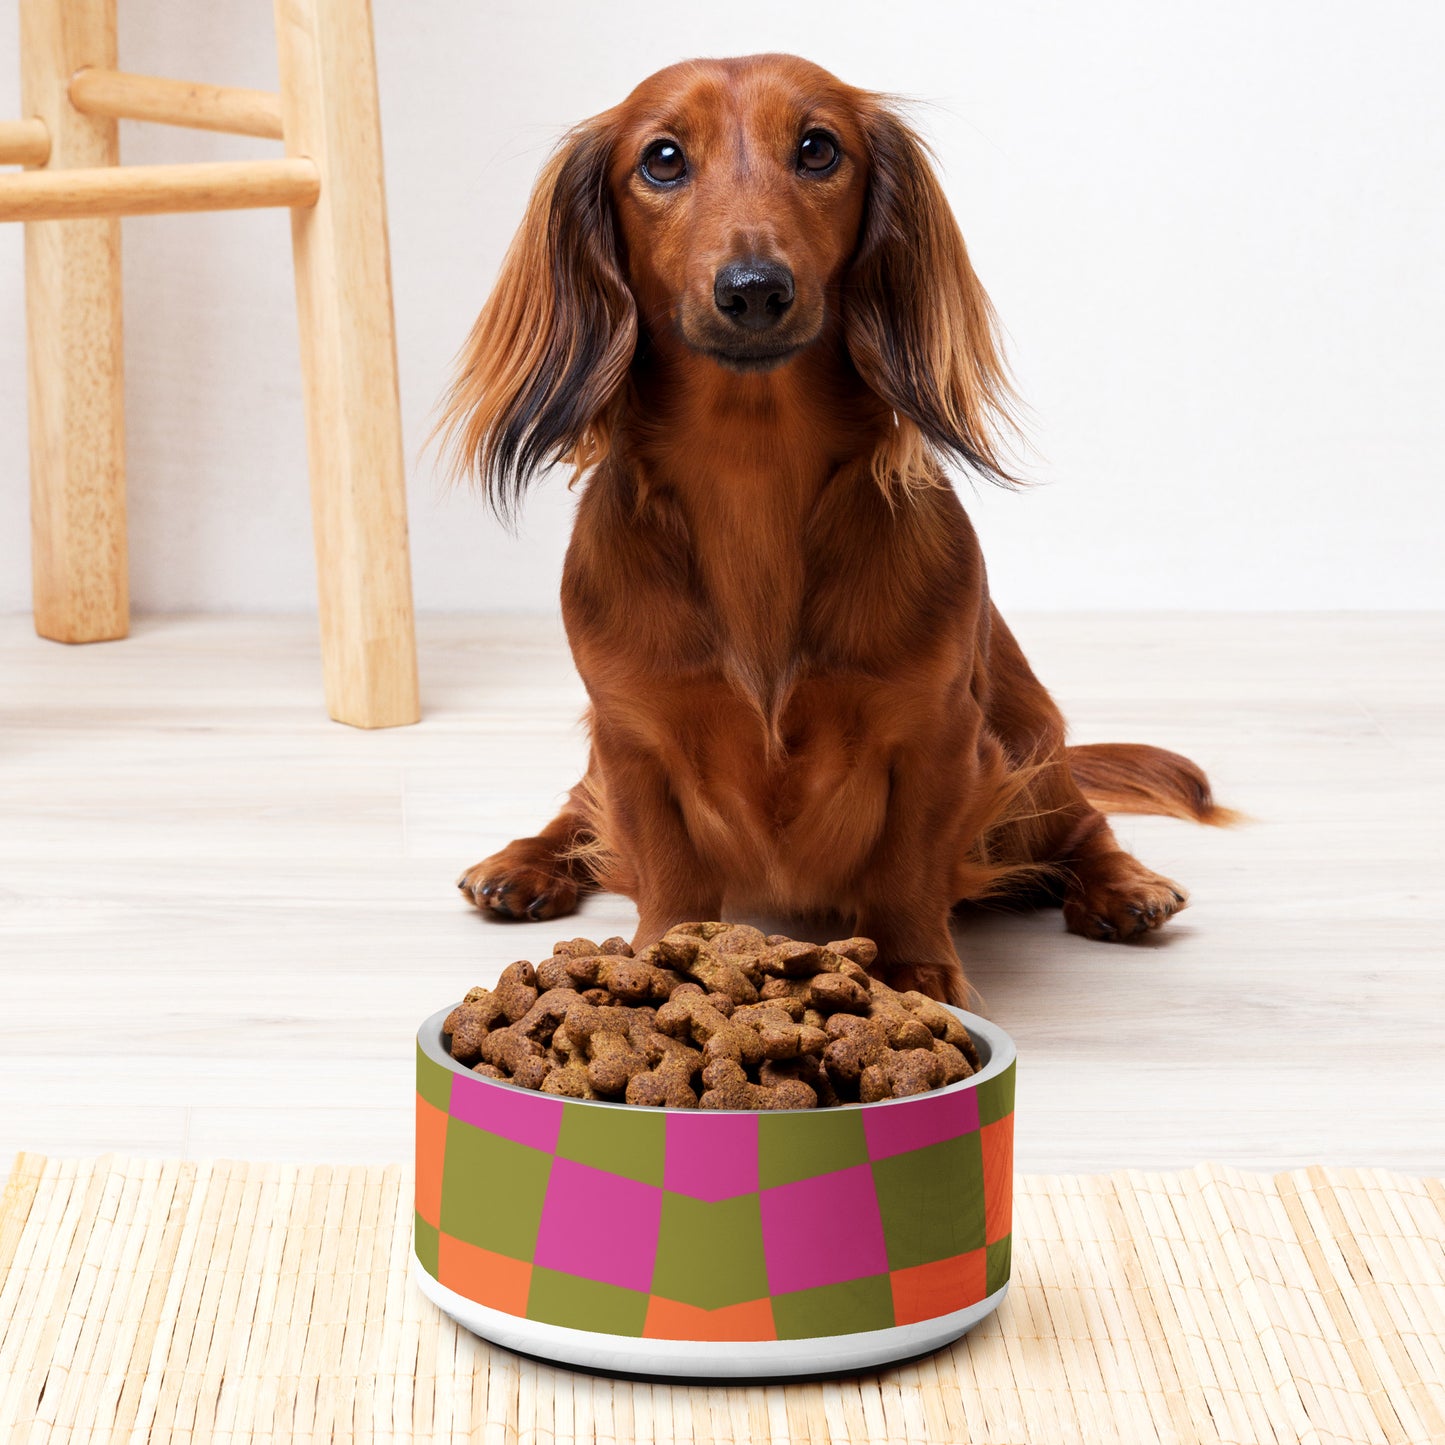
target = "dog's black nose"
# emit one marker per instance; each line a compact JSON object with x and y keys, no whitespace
{"x":755,"y":294}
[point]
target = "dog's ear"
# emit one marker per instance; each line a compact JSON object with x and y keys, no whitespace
{"x":548,"y":354}
{"x":919,"y":325}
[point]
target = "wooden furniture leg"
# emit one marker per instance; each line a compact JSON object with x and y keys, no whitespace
{"x":72,"y":304}
{"x":348,"y":358}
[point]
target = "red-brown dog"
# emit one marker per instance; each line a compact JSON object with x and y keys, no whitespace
{"x":740,"y":305}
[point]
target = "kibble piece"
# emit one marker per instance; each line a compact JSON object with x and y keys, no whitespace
{"x":728,"y":1087}
{"x":685,"y":954}
{"x":955,"y":1065}
{"x":862,"y":951}
{"x":904,"y":1029}
{"x":532,"y":1073}
{"x":469,"y":1023}
{"x":619,"y":947}
{"x":909,"y":1033}
{"x":797,"y":960}
{"x":781,"y":1036}
{"x":523,"y":1059}
{"x":603,"y":1033}
{"x":687,"y":1016}
{"x":899,"y":1074}
{"x":792,"y":1006}
{"x":575,"y":947}
{"x":807,"y":1069}
{"x":831,"y":993}
{"x":941,"y":1023}
{"x":629,"y":980}
{"x":779,"y":988}
{"x":668,"y":1083}
{"x":569,"y":1081}
{"x":739,"y":938}
{"x":720,"y":1001}
{"x":516,"y":989}
{"x":542,"y":1020}
{"x":552,"y":973}
{"x":704,"y":931}
{"x":856,"y":1044}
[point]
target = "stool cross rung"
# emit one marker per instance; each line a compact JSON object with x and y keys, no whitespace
{"x":24,"y":142}
{"x":60,"y":195}
{"x":123,"y":96}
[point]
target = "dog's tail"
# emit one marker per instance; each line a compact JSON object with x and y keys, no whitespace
{"x":1142,"y":779}
{"x":1135,"y":778}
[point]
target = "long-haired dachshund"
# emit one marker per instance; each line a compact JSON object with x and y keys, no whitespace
{"x":740,"y":307}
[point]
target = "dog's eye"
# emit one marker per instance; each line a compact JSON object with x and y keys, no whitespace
{"x":818,"y":152}
{"x":664,"y":162}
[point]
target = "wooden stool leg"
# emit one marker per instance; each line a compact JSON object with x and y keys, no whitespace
{"x":72,"y":296}
{"x":348,"y":359}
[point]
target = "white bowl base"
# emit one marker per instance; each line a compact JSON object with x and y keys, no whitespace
{"x":704,"y":1359}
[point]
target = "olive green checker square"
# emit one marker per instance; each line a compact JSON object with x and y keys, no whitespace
{"x":835,"y":1309}
{"x":585,"y":1304}
{"x":629,"y":1142}
{"x":996,"y":1097}
{"x":710,"y":1255}
{"x":427,"y":1238}
{"x":1000,"y":1259}
{"x":931,"y":1201}
{"x":799,"y":1145}
{"x":433,"y":1082}
{"x":493,"y":1190}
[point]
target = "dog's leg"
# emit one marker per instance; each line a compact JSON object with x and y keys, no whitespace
{"x":1106,"y":893}
{"x":903,"y":899}
{"x":668,"y":880}
{"x":536,"y":878}
{"x":915,"y":949}
{"x":1109,"y":894}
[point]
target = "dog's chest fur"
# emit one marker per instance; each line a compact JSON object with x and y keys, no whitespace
{"x":774,"y":660}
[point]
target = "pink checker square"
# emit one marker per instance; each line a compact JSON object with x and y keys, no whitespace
{"x":711,"y":1156}
{"x":520,"y":1115}
{"x":599,"y":1225}
{"x":897,"y":1128}
{"x":823,"y":1230}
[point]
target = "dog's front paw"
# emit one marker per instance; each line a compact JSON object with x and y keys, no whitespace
{"x":509,"y":885}
{"x":1117,"y":900}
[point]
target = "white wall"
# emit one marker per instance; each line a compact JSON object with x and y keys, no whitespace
{"x":1213,"y":230}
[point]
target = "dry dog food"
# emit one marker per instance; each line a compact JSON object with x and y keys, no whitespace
{"x":713,"y":1016}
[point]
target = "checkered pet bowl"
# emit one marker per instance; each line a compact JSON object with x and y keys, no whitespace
{"x":708,"y":1243}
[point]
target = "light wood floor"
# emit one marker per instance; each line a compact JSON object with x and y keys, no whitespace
{"x":222,"y":916}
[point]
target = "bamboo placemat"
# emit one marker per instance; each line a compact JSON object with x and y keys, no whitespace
{"x":153,"y":1300}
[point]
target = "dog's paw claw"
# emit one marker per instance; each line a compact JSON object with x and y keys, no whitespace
{"x":1121,"y":903}
{"x":518,"y":891}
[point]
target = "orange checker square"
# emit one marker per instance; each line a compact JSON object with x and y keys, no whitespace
{"x":671,"y":1320}
{"x":928,"y":1290}
{"x":997,"y":1140}
{"x":494,"y":1280}
{"x":431,"y":1148}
